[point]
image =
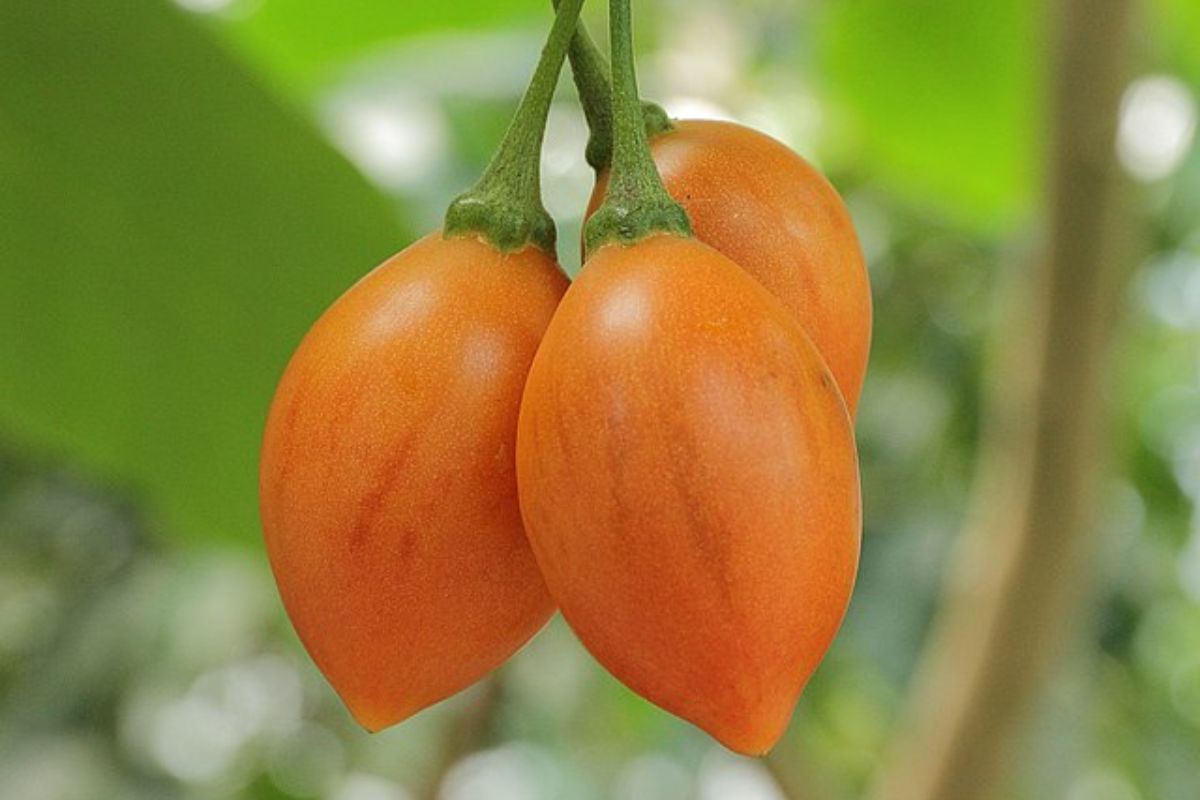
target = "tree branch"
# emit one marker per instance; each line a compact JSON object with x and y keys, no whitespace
{"x":790,"y":774}
{"x":1015,"y":583}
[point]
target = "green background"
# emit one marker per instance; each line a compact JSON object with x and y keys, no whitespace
{"x":183,"y":189}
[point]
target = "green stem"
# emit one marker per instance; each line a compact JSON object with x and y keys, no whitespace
{"x":637,"y":205}
{"x":506,"y":205}
{"x":591,"y":74}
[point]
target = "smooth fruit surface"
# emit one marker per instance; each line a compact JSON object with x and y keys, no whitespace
{"x":766,"y":208}
{"x":689,"y":483}
{"x":388,"y":488}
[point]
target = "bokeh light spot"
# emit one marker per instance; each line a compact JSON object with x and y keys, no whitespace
{"x":1157,"y":127}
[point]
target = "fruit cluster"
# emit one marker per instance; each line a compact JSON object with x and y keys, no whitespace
{"x":663,"y":450}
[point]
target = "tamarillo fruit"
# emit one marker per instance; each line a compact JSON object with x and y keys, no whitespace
{"x":689,"y":484}
{"x":388,"y":487}
{"x":767,"y":209}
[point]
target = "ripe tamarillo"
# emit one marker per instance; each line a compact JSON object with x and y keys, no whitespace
{"x":766,"y":208}
{"x":689,"y":483}
{"x":388,"y":477}
{"x":388,"y":494}
{"x":760,"y":204}
{"x":686,"y":462}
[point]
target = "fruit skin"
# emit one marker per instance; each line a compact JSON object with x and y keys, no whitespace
{"x":689,"y":483}
{"x":388,"y":489}
{"x":766,"y":208}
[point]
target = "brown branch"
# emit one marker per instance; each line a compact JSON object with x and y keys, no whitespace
{"x":1015,"y":584}
{"x":789,"y":773}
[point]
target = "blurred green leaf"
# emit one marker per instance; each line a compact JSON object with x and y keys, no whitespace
{"x":944,"y":98}
{"x":169,"y":232}
{"x":303,"y":40}
{"x":1176,"y":27}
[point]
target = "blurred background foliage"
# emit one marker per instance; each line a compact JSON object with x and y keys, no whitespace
{"x":184,"y":186}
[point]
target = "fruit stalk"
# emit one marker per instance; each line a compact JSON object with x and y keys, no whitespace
{"x":637,"y":204}
{"x":590,"y":71}
{"x":505,"y":206}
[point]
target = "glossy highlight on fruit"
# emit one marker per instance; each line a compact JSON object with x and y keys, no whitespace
{"x":388,"y":488}
{"x":689,"y":484}
{"x":767,"y":209}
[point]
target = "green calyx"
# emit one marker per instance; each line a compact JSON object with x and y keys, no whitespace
{"x":591,"y":73}
{"x":505,"y":207}
{"x":507,"y":221}
{"x":637,"y":204}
